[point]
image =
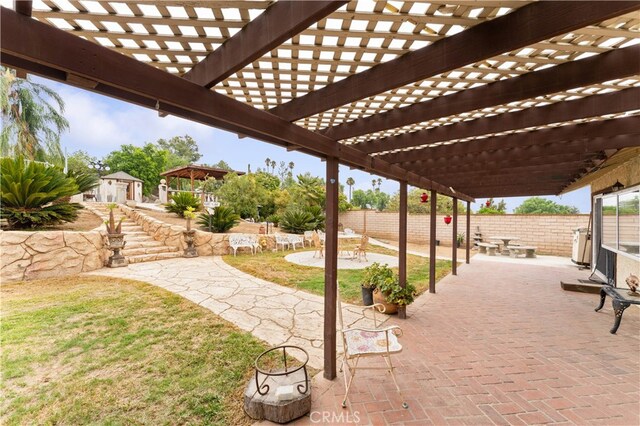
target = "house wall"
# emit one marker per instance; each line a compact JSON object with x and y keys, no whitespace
{"x":551,"y":234}
{"x":115,"y":191}
{"x":627,"y":174}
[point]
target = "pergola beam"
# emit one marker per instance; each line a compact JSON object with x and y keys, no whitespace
{"x":590,"y":106}
{"x":524,"y":26}
{"x":278,"y":23}
{"x":554,"y":135}
{"x":38,"y":44}
{"x":23,"y":7}
{"x":466,"y":164}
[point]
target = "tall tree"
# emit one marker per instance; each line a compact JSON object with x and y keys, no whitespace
{"x":222,"y":165}
{"x":539,"y":205}
{"x":32,"y":119}
{"x":145,"y":163}
{"x":350,"y":183}
{"x":183,"y":150}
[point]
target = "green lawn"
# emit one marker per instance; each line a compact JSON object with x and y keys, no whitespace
{"x":272,"y":266}
{"x":81,"y":350}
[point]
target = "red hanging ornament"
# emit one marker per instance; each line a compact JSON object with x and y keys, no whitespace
{"x":424,"y":197}
{"x":447,"y":219}
{"x":488,"y":203}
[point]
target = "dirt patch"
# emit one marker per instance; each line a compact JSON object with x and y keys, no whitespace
{"x":173,"y":219}
{"x":87,"y":221}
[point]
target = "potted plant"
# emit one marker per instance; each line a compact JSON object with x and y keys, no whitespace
{"x":116,"y":240}
{"x":460,"y":239}
{"x":393,"y":296}
{"x":374,"y":276}
{"x":189,"y":234}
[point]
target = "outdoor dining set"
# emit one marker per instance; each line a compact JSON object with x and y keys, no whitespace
{"x":504,"y":246}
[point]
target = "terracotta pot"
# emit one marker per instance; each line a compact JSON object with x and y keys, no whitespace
{"x":390,"y":308}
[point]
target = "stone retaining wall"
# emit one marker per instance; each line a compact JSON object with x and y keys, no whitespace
{"x":207,"y":243}
{"x":551,"y":234}
{"x":44,"y":254}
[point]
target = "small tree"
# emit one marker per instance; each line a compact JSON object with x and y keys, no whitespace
{"x":493,"y":208}
{"x":350,"y":183}
{"x":539,"y":205}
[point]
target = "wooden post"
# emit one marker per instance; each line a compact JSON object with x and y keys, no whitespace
{"x":331,"y":268}
{"x":468,"y":231}
{"x":454,"y":230}
{"x":193,"y":188}
{"x":402,"y":244}
{"x":168,"y":188}
{"x":432,"y":243}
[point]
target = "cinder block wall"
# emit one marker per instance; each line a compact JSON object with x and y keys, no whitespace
{"x":552,"y":234}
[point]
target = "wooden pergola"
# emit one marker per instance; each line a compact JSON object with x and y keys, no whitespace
{"x":195,"y":172}
{"x":463,"y":98}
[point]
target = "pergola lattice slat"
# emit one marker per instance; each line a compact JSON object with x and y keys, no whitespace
{"x":26,"y":38}
{"x":606,"y":66}
{"x":526,"y":25}
{"x":590,"y":106}
{"x":278,"y":23}
{"x":604,"y":128}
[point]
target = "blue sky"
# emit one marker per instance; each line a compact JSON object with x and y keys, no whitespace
{"x":99,"y":125}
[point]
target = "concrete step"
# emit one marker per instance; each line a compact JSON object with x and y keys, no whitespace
{"x":138,"y":238}
{"x":144,"y":243}
{"x":151,"y":257}
{"x":148,"y":250}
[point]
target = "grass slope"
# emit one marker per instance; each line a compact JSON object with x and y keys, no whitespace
{"x":80,"y":350}
{"x":272,"y":266}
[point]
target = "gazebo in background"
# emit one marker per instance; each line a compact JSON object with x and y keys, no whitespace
{"x":193,"y":172}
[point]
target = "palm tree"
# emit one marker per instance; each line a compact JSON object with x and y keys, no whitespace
{"x":350,"y":183}
{"x":267,"y":161}
{"x":291,"y":165}
{"x":32,"y":119}
{"x":273,"y":166}
{"x":373,"y":183}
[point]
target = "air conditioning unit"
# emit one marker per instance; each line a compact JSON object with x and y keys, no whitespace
{"x":581,"y":253}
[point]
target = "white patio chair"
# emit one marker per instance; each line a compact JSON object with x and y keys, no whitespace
{"x":308,"y":237}
{"x":282,"y":240}
{"x":359,"y":343}
{"x":295,"y":239}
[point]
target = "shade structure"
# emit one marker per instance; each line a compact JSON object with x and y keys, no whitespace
{"x":462,"y":98}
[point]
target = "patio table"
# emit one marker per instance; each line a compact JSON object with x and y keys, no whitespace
{"x":621,"y":299}
{"x":505,"y":240}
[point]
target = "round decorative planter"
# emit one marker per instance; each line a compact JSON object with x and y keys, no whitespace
{"x":389,"y":308}
{"x":116,"y":243}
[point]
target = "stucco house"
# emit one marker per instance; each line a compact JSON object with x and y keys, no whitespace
{"x":119,"y":187}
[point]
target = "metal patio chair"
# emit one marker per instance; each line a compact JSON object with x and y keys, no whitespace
{"x":358,"y":342}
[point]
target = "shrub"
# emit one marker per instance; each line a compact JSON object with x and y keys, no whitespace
{"x":317,"y":213}
{"x":273,"y":218}
{"x":222,"y":220}
{"x":181,"y":202}
{"x":29,"y":194}
{"x":378,"y":276}
{"x":86,"y":180}
{"x":296,"y":221}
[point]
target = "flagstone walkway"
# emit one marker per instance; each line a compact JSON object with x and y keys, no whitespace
{"x":271,"y":312}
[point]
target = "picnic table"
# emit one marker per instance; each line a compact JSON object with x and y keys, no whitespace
{"x":504,"y":250}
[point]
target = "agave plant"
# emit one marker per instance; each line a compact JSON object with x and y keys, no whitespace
{"x":297,"y":221}
{"x":29,"y":192}
{"x":222,"y":220}
{"x":181,"y":202}
{"x":112,"y":227}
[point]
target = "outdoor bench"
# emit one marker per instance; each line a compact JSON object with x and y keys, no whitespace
{"x":619,"y":300}
{"x":237,"y":241}
{"x":528,"y":251}
{"x":487,"y":246}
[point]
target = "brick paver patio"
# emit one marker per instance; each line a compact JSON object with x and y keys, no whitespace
{"x":501,"y":344}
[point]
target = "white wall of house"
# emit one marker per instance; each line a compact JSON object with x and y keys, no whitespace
{"x":116,"y":191}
